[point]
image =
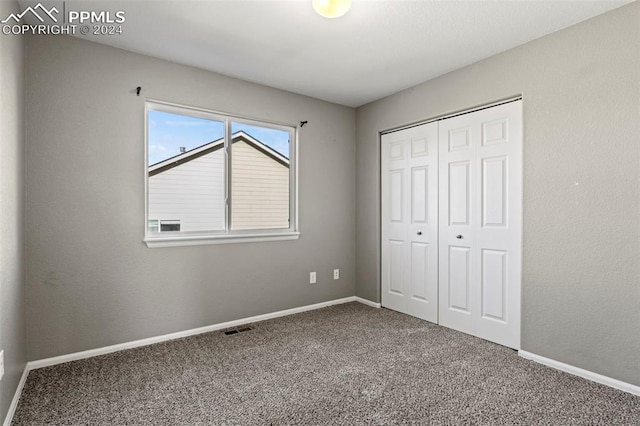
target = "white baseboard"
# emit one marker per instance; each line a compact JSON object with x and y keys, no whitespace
{"x":367,"y":302}
{"x":32,"y":365}
{"x":16,"y":397}
{"x":576,"y":371}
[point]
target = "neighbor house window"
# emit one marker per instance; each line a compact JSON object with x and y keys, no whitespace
{"x":169,"y":225}
{"x":213,"y":177}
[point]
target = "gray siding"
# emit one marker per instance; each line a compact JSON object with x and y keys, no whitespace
{"x":260,"y":189}
{"x":192,"y":193}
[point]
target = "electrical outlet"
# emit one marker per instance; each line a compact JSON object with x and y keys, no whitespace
{"x":336,"y":274}
{"x":312,"y":278}
{"x":1,"y":364}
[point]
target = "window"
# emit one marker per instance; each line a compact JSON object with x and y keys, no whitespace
{"x":155,"y":225}
{"x":215,"y":178}
{"x":169,"y":225}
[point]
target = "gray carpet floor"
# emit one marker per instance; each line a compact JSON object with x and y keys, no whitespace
{"x":343,"y":365}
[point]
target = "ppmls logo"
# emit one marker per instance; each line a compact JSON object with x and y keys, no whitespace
{"x":101,"y":22}
{"x":33,"y":11}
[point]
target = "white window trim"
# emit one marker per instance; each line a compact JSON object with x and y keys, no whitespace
{"x":200,"y":240}
{"x":228,"y":236}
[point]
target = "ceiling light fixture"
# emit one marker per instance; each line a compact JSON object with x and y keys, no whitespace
{"x":331,"y":8}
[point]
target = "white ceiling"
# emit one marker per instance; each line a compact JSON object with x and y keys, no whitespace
{"x":377,"y":49}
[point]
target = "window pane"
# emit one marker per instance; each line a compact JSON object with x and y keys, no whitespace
{"x":186,"y":172}
{"x":259,"y":177}
{"x":169,"y":225}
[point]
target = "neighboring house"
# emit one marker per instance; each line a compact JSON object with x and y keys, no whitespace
{"x":187,"y":192}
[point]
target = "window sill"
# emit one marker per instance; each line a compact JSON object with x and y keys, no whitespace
{"x":200,"y":240}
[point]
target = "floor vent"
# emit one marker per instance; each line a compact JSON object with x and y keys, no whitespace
{"x":237,"y":330}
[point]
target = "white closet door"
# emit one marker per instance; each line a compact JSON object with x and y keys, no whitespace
{"x":410,"y":221}
{"x":480,"y":205}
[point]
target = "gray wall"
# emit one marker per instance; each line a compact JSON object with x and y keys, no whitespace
{"x":12,"y":294}
{"x":91,"y":281}
{"x":581,"y":274}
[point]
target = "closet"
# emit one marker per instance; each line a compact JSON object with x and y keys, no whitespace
{"x":451,"y":210}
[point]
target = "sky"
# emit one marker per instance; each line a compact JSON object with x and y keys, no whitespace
{"x":168,"y":132}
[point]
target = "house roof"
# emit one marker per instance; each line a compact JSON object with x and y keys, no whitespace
{"x":212,"y":146}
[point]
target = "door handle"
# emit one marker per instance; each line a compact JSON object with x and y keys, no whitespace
{"x":459,"y":236}
{"x":419,"y":232}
